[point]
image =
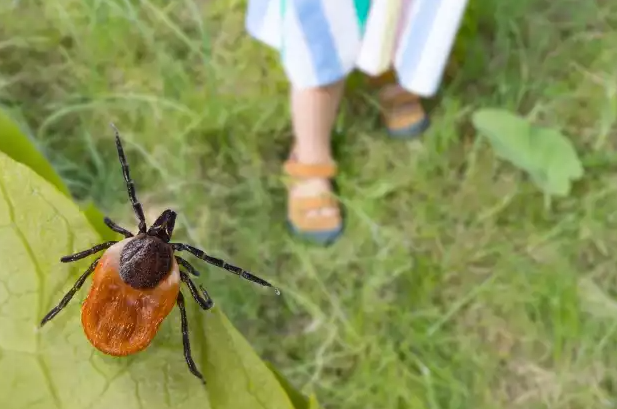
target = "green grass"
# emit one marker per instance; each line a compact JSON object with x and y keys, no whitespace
{"x":454,"y":287}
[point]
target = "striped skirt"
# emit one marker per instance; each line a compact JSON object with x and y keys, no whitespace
{"x":322,"y":41}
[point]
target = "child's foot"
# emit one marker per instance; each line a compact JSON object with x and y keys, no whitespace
{"x":313,"y":211}
{"x":403,"y":113}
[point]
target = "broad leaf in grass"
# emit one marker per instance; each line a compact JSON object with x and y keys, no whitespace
{"x":56,"y":367}
{"x":19,"y":147}
{"x":544,"y":153}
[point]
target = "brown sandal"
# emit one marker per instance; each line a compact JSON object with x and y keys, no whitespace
{"x":300,"y":215}
{"x":403,"y":113}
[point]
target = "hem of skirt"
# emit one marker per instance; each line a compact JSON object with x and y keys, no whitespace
{"x":419,"y":91}
{"x":422,"y":91}
{"x":301,"y":85}
{"x":262,"y":39}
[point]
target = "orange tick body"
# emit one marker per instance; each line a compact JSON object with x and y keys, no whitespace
{"x":119,"y":319}
{"x":136,"y":283}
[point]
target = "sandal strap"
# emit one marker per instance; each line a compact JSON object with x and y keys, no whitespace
{"x":304,"y":170}
{"x":300,"y":208}
{"x":399,"y":99}
{"x":388,"y":77}
{"x":403,"y":118}
{"x":304,"y":204}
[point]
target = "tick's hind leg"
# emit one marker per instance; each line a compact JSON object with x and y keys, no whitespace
{"x":86,"y":253}
{"x":188,"y":266}
{"x":118,"y":229}
{"x":65,"y":300}
{"x":185,"y":339}
{"x":204,"y":302}
{"x":223,"y":264}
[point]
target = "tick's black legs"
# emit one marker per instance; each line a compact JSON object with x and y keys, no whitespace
{"x":65,"y":300}
{"x":204,"y":302}
{"x":89,"y":252}
{"x":130,"y":186}
{"x":185,"y":339}
{"x":117,"y":228}
{"x":222,"y":264}
{"x":188,"y":266}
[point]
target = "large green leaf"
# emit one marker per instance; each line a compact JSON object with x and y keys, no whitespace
{"x":237,"y":377}
{"x":298,"y":399}
{"x":544,"y":153}
{"x":19,"y":147}
{"x":313,"y":404}
{"x":56,"y":367}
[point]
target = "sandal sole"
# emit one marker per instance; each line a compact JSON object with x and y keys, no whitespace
{"x":320,"y":237}
{"x":411,"y":132}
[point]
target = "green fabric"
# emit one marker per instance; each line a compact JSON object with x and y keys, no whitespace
{"x":283,"y":11}
{"x":362,"y":9}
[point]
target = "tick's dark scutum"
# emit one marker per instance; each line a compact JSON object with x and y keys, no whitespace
{"x":145,"y":261}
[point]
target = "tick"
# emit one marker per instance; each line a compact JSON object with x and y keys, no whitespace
{"x":136,"y":283}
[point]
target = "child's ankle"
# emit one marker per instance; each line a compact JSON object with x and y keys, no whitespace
{"x":313,"y":155}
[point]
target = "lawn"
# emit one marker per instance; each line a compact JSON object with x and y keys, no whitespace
{"x":454,"y":286}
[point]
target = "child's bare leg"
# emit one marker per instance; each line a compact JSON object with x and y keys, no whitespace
{"x":314,"y":112}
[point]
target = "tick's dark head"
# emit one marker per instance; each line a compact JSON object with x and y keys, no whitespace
{"x":163,"y":227}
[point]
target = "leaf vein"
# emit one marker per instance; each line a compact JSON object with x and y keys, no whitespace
{"x":48,"y":380}
{"x":71,"y":240}
{"x":39,"y":273}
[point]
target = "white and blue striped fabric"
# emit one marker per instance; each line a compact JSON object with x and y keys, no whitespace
{"x":319,"y":40}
